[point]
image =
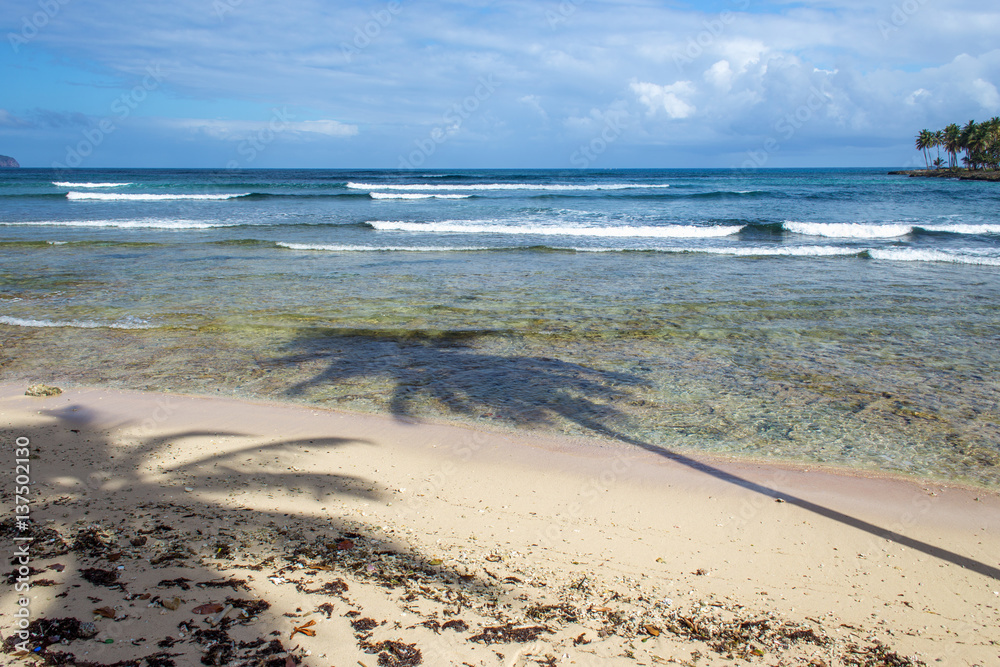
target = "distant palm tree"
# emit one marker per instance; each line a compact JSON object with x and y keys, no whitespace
{"x":992,"y":140}
{"x":938,"y":141}
{"x":952,"y":143}
{"x":924,"y":141}
{"x":968,"y":138}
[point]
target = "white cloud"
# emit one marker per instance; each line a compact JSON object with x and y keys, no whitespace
{"x":239,"y":129}
{"x":720,"y":75}
{"x":986,"y":94}
{"x":533,"y":102}
{"x":668,"y":98}
{"x":916,"y":95}
{"x":330,"y":128}
{"x":7,"y":119}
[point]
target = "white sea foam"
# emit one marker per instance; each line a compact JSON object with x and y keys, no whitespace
{"x":387,"y":195}
{"x":785,"y":251}
{"x":473,"y":227}
{"x":139,"y":223}
{"x":60,"y":184}
{"x":503,"y":186}
{"x":362,"y":248}
{"x":129,"y":323}
{"x":107,"y":196}
{"x":969,"y":256}
{"x":960,"y":228}
{"x":768,"y":251}
{"x":848,"y":230}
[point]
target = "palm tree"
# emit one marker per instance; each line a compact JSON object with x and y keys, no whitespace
{"x":952,"y":143}
{"x":924,"y":141}
{"x":968,"y":134}
{"x":980,"y":143}
{"x":992,"y":140}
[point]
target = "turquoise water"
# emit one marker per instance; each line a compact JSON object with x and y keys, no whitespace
{"x":846,"y":317}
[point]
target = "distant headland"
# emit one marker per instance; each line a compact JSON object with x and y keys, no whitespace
{"x":8,"y":161}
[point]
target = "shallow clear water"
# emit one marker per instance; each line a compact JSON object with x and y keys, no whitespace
{"x":845,"y":317}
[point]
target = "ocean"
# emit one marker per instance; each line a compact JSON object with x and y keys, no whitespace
{"x":834,"y":317}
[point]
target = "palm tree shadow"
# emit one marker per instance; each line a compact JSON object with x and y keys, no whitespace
{"x":522,"y":390}
{"x":447,"y":371}
{"x":105,"y":496}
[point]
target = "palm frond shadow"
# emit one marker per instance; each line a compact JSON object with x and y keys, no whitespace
{"x":107,"y":491}
{"x":448,"y":371}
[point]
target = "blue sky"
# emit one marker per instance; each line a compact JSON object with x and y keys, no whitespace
{"x":545,"y":83}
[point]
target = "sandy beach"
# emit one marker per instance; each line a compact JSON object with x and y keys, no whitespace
{"x":191,"y":530}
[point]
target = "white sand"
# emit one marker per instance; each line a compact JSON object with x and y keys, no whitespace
{"x":501,"y":527}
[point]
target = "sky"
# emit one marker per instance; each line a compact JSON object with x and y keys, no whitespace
{"x":509,"y":84}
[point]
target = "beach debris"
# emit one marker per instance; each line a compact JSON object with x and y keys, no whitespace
{"x":92,"y":542}
{"x":364,"y":625}
{"x":457,"y":625}
{"x":87,"y":630}
{"x":158,"y":528}
{"x":206,"y":609}
{"x":106,"y":612}
{"x":13,"y":575}
{"x":227,"y":610}
{"x":179,"y":582}
{"x":250,"y":608}
{"x":177,"y":550}
{"x":432,"y":624}
{"x":396,"y":654}
{"x":507,"y":634}
{"x":232,"y":582}
{"x":305,"y":629}
{"x":651,"y":630}
{"x":58,"y":567}
{"x":701,"y":572}
{"x":562,"y":612}
{"x":345,"y":545}
{"x":99,"y":577}
{"x":173,"y":604}
{"x":45,"y":542}
{"x":42,"y":390}
{"x":44,"y":632}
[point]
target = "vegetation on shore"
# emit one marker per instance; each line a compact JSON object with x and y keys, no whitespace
{"x":980,"y":143}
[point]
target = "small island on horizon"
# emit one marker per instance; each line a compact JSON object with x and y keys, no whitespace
{"x":6,"y":161}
